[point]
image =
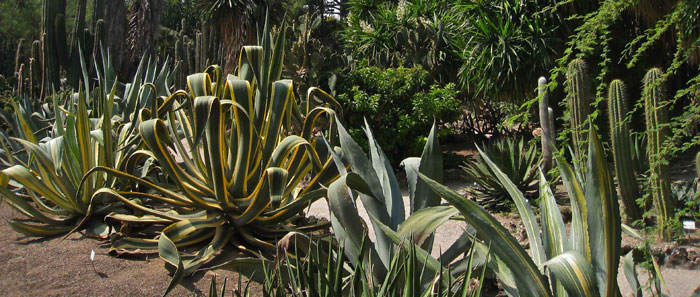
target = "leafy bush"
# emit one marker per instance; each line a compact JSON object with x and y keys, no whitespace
{"x":400,"y":102}
{"x":405,"y":33}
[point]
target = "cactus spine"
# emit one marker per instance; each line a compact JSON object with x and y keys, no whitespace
{"x":622,"y":149}
{"x":657,"y":132}
{"x":579,"y":98}
{"x":545,"y":122}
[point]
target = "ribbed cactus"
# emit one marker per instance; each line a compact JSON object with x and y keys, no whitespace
{"x":545,"y":121}
{"x":657,"y":132}
{"x":579,"y":97}
{"x":53,"y":28}
{"x":35,"y":69}
{"x":697,"y":164}
{"x":618,"y":107}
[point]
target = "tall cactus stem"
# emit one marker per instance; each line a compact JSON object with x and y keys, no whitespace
{"x":697,"y":164}
{"x":579,"y":97}
{"x":657,"y":132}
{"x":552,"y":128}
{"x":545,"y":124}
{"x":618,"y":107}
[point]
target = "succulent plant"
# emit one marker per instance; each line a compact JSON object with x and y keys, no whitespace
{"x":546,"y":123}
{"x":514,"y":157}
{"x":622,"y":149}
{"x":579,"y":98}
{"x":657,"y":131}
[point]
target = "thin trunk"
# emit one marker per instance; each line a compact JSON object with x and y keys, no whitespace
{"x":115,"y":35}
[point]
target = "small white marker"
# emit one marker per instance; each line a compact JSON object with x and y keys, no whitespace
{"x":92,"y":261}
{"x":689,"y":225}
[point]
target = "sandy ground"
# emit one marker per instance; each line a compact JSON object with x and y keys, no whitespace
{"x":55,"y":267}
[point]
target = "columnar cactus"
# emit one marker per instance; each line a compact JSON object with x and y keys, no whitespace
{"x":580,"y":96}
{"x":53,"y":28}
{"x":35,"y":69}
{"x":657,"y":132}
{"x":622,"y":149}
{"x":697,"y":164}
{"x":545,"y":122}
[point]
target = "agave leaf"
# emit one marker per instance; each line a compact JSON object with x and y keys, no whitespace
{"x":525,"y":211}
{"x":431,"y":265}
{"x":579,"y":210}
{"x":374,"y":204}
{"x":603,"y":219}
{"x":630,"y":270}
{"x":169,"y":253}
{"x":389,"y":185}
{"x":526,"y":274}
{"x":553,"y":228}
{"x":575,"y":274}
{"x":342,"y":205}
{"x":423,"y":223}
{"x":431,"y":166}
{"x":38,"y":229}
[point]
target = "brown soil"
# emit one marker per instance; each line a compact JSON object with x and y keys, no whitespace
{"x":56,"y":267}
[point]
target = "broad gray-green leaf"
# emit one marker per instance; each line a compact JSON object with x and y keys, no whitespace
{"x":630,"y":270}
{"x":526,"y":275}
{"x":524,"y":209}
{"x":603,"y":218}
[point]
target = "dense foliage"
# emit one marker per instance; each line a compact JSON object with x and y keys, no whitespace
{"x":208,"y":147}
{"x":400,"y":102}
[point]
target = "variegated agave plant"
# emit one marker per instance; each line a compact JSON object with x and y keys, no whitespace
{"x":89,"y":128}
{"x":237,"y":176}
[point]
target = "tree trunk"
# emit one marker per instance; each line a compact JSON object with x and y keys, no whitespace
{"x":144,"y":19}
{"x":115,"y":35}
{"x":235,"y":31}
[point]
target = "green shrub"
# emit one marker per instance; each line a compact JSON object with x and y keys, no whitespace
{"x":400,"y":102}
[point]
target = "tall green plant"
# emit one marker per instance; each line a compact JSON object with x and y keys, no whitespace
{"x":583,"y":262}
{"x":371,"y":180}
{"x":618,"y":107}
{"x":237,"y":174}
{"x":657,"y":132}
{"x":45,"y":188}
{"x":579,"y":97}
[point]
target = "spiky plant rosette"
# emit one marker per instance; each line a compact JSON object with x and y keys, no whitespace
{"x":516,"y":159}
{"x":237,"y":172}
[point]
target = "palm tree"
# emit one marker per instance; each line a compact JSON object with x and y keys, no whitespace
{"x":236,"y":23}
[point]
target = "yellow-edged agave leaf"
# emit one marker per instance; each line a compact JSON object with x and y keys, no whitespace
{"x":169,"y":253}
{"x":603,"y":219}
{"x":231,"y":169}
{"x":575,"y":273}
{"x":524,"y":271}
{"x":524,"y":209}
